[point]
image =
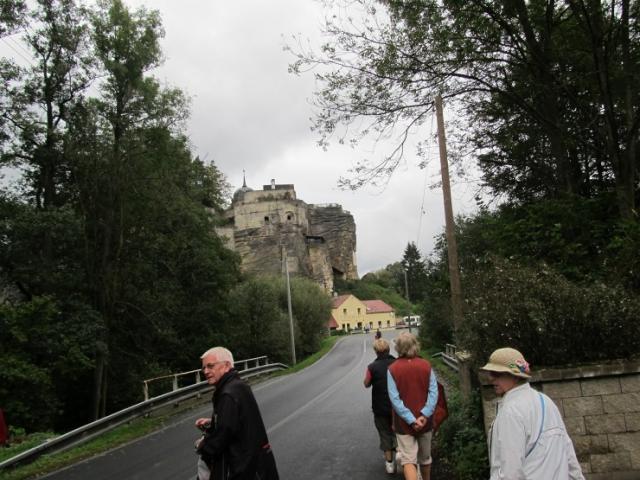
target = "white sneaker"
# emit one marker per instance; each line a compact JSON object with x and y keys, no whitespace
{"x":390,"y":467}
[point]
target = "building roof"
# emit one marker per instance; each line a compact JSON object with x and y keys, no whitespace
{"x":377,"y":306}
{"x":339,"y":300}
{"x":332,"y":323}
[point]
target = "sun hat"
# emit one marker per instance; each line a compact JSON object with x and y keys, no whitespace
{"x":508,"y":360}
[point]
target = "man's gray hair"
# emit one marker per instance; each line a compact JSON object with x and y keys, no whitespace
{"x":221,"y":354}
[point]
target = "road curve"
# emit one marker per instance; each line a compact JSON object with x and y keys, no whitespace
{"x":319,"y":423}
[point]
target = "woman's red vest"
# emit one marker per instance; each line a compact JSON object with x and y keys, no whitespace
{"x":412,"y":376}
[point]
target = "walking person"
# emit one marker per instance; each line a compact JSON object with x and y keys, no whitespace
{"x":235,"y":445}
{"x":528,"y":439}
{"x":376,"y":378}
{"x":413,"y":390}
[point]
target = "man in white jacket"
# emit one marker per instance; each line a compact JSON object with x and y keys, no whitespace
{"x":528,"y":439}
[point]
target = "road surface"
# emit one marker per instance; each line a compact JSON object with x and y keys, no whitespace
{"x":319,"y":423}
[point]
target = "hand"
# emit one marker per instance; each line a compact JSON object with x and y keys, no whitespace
{"x":198,"y":443}
{"x":201,"y":423}
{"x":420,"y":423}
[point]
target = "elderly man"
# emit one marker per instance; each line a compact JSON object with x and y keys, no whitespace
{"x":528,"y":439}
{"x":413,"y":390}
{"x":235,"y":446}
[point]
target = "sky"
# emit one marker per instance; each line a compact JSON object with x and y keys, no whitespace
{"x":249,"y":114}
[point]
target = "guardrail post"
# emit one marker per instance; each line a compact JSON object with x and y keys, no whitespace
{"x":145,"y":390}
{"x":175,"y":382}
{"x":198,"y":376}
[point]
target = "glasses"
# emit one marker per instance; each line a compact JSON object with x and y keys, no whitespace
{"x":210,"y":366}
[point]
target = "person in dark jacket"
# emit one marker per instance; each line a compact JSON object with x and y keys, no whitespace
{"x":376,"y":377}
{"x":235,"y":445}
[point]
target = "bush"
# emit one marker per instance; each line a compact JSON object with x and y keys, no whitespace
{"x":537,"y":310}
{"x":460,"y":446}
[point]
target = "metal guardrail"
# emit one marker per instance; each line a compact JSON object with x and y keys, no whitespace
{"x":176,"y":376}
{"x":94,"y":429}
{"x":449,"y":356}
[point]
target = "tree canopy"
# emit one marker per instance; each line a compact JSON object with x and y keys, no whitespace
{"x":547,"y":91}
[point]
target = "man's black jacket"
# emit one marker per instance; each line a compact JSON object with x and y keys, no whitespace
{"x":236,"y":445}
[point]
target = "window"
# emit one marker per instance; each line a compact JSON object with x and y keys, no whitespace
{"x":266,"y":219}
{"x":380,"y":323}
{"x":358,"y":311}
{"x":344,"y":311}
{"x":388,"y":323}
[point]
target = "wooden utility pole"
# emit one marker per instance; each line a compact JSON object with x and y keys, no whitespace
{"x":464,"y":373}
{"x":452,"y":246}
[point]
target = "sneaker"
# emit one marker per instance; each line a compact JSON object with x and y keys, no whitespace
{"x":390,"y":467}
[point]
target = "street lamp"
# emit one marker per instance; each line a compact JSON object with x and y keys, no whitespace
{"x":285,"y":265}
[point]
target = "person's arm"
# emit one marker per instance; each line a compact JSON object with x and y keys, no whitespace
{"x":396,"y":401}
{"x":432,"y":396}
{"x":218,"y":437}
{"x":367,"y":378}
{"x":508,"y":447}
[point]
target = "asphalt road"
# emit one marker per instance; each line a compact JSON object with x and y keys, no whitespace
{"x":319,"y":423}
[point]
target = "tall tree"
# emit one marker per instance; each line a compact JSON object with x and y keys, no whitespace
{"x":548,"y":76}
{"x":415,"y":271}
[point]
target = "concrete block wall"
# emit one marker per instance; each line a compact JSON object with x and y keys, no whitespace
{"x":600,"y":405}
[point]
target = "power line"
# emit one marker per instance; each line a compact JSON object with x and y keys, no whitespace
{"x":16,"y":50}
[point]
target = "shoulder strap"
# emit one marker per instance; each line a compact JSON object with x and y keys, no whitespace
{"x":541,"y":426}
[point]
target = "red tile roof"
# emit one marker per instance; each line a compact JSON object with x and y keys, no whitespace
{"x":332,"y":323}
{"x":339,"y":300}
{"x":377,"y":306}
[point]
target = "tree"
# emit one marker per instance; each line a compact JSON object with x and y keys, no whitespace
{"x":11,"y":12}
{"x":414,"y":268}
{"x":538,"y":81}
{"x":258,"y":321}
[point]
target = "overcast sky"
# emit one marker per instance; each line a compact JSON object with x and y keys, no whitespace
{"x":249,"y":113}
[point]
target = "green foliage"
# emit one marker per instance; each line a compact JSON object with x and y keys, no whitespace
{"x":45,"y":348}
{"x":110,"y":237}
{"x":258,"y":321}
{"x":414,"y":267}
{"x":311,"y":308}
{"x":460,"y":447}
{"x":536,"y":310}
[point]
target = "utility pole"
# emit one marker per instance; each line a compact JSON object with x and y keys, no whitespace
{"x":406,"y":293}
{"x":452,"y":246}
{"x":285,"y":265}
{"x":464,"y":373}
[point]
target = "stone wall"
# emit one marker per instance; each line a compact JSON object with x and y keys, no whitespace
{"x":600,"y":405}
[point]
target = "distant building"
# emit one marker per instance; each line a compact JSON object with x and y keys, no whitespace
{"x":350,"y":313}
{"x":380,"y":314}
{"x":266,"y":226}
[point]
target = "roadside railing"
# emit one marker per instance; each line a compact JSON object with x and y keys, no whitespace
{"x":175,"y":377}
{"x":94,"y":429}
{"x":449,"y":356}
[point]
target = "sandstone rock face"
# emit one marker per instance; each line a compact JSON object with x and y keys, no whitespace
{"x":270,"y":226}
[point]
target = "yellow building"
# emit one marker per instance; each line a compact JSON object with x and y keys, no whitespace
{"x":350,"y":313}
{"x":379,"y":314}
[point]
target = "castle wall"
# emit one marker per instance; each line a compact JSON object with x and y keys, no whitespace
{"x":319,"y":241}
